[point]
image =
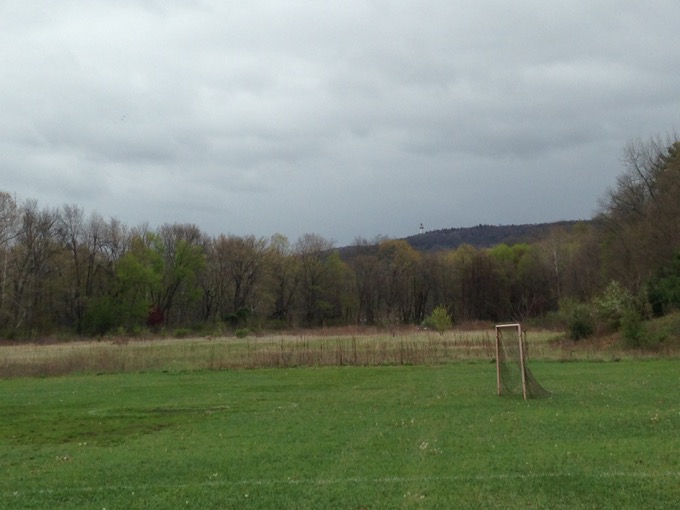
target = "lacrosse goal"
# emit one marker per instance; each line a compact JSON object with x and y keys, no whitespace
{"x":512,"y":373}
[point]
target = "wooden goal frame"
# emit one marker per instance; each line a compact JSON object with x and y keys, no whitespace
{"x":520,"y":339}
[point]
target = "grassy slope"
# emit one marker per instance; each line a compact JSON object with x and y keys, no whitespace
{"x":386,"y":437}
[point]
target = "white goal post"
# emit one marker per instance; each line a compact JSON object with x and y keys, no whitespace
{"x":512,"y":373}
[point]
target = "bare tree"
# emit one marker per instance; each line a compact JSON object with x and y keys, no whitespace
{"x":241,"y":263}
{"x":639,"y":216}
{"x":9,"y":229}
{"x":181,"y":248}
{"x":283,"y":276}
{"x":312,"y":251}
{"x":34,"y":266}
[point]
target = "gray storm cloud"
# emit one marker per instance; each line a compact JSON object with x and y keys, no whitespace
{"x":338,"y":118}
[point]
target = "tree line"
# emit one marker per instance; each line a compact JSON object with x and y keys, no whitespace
{"x":65,"y":271}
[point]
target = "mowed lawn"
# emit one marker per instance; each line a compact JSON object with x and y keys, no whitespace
{"x":344,"y":437}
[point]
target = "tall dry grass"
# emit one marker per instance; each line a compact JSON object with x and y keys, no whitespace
{"x":334,"y":348}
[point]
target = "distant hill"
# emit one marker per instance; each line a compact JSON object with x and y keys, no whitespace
{"x":484,"y":236}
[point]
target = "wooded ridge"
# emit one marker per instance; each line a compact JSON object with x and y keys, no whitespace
{"x":486,"y":236}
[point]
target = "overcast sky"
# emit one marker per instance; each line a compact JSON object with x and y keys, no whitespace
{"x":344,"y":119}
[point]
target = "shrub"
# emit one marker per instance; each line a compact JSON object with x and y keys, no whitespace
{"x":439,"y":320}
{"x":632,"y":328}
{"x":218,"y":329}
{"x":156,"y":318}
{"x":239,"y":317}
{"x":580,"y":322}
{"x":614,"y":302}
{"x":663,"y":291}
{"x":242,"y":332}
{"x":139,"y":331}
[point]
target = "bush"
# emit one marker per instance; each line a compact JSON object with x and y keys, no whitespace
{"x":580,"y":322}
{"x":614,"y":302}
{"x":239,"y":317}
{"x":242,"y":332}
{"x":181,"y":333}
{"x":632,"y":328}
{"x":663,"y":291}
{"x":439,"y":320}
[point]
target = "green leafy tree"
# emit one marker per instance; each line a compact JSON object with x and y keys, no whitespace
{"x":139,"y":275}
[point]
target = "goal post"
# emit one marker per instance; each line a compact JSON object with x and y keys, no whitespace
{"x":513,"y":376}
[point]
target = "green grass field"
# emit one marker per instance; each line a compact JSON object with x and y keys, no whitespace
{"x":344,"y":437}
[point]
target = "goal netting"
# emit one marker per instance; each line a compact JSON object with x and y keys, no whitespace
{"x":513,"y":374}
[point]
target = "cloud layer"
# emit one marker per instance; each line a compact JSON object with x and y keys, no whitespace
{"x":345,"y":119}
